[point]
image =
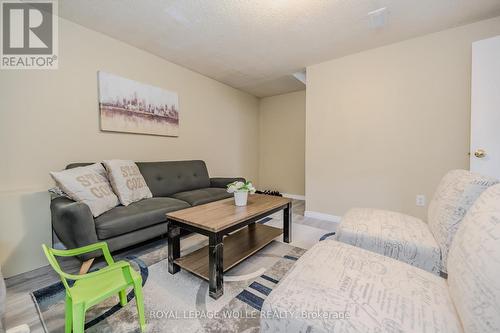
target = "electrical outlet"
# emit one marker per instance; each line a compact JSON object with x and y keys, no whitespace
{"x":420,"y":200}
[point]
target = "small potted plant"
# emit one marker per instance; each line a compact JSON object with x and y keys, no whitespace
{"x":240,"y":190}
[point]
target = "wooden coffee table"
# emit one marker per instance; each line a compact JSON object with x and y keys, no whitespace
{"x":232,"y":232}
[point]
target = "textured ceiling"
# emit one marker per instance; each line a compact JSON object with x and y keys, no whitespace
{"x":256,"y":45}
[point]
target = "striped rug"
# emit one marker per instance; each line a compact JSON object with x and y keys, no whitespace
{"x":247,"y":304}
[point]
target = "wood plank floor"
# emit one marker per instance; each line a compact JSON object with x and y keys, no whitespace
{"x":21,"y":310}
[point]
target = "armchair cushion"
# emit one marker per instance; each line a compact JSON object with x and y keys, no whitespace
{"x":474,"y":265}
{"x":374,"y":293}
{"x":399,"y":236}
{"x":202,"y":196}
{"x":456,"y":193}
{"x":138,"y":215}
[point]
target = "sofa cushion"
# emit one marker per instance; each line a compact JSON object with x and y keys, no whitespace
{"x":137,"y":215}
{"x":474,"y":265}
{"x":202,"y":196}
{"x":455,"y":194}
{"x":399,"y":236}
{"x":166,"y":178}
{"x":335,"y":287}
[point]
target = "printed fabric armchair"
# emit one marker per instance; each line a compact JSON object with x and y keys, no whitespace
{"x":409,"y":239}
{"x":92,"y":288}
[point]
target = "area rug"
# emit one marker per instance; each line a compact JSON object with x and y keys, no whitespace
{"x":180,"y":302}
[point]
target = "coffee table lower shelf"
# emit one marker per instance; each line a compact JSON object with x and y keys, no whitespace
{"x":237,"y":246}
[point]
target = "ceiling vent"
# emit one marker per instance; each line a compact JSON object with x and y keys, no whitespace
{"x":378,"y":18}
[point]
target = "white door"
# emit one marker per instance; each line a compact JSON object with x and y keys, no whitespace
{"x":485,"y":113}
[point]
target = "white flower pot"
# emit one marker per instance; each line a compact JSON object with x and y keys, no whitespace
{"x":240,"y":198}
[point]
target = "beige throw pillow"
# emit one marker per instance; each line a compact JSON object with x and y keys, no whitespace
{"x":127,"y":181}
{"x":89,"y":185}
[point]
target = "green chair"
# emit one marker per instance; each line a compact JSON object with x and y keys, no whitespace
{"x":92,"y":288}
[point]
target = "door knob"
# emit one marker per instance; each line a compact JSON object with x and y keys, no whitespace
{"x":480,"y":153}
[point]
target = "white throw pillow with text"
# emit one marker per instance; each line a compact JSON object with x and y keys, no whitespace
{"x":127,"y":181}
{"x":88,"y":184}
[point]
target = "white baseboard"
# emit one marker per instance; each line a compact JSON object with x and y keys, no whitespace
{"x":294,"y":196}
{"x":322,"y":216}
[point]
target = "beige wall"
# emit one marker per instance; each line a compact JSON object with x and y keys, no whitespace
{"x":49,"y":118}
{"x":282,"y":143}
{"x":386,"y":124}
{"x":382,"y":126}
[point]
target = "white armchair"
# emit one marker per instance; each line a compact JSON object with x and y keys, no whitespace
{"x":336,"y":287}
{"x":409,"y":239}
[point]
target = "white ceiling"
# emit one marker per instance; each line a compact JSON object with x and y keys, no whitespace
{"x":256,"y":45}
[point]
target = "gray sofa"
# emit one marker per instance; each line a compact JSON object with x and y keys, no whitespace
{"x":175,"y":185}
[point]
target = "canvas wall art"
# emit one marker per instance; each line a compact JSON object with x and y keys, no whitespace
{"x":133,"y":107}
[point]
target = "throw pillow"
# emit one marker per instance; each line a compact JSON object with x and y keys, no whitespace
{"x":127,"y":181}
{"x":89,"y":185}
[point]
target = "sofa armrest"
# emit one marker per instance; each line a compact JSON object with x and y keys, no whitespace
{"x":222,"y":182}
{"x":74,"y":224}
